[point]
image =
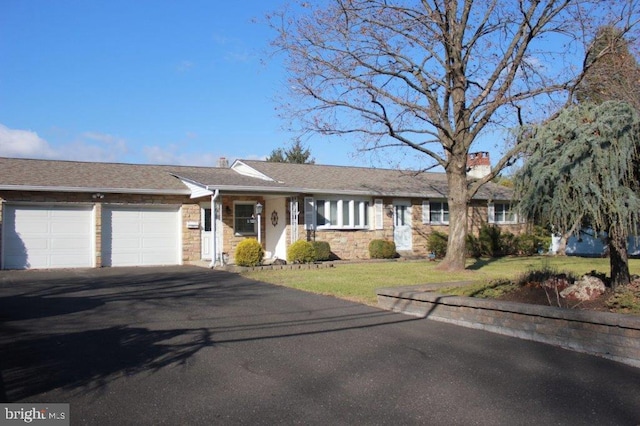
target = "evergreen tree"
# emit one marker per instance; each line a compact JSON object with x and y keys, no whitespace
{"x":584,"y":165}
{"x":611,"y":72}
{"x":297,"y":154}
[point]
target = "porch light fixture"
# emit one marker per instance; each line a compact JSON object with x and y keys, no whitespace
{"x":97,"y":196}
{"x":259,"y":213}
{"x":389,"y":211}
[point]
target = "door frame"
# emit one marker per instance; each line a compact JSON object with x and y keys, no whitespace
{"x":403,"y":234}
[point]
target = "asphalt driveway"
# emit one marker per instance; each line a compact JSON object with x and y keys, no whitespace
{"x":187,"y":345}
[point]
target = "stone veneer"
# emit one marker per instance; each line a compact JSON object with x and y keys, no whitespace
{"x":604,"y":334}
{"x":354,"y":244}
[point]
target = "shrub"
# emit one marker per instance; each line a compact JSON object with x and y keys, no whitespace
{"x":382,"y":249}
{"x":301,"y":252}
{"x":437,"y":243}
{"x":625,"y":300}
{"x":473,"y":246}
{"x":527,"y":245}
{"x":491,"y":242}
{"x":530,"y":243}
{"x":249,"y":253}
{"x":489,"y":238}
{"x":322,"y":249}
{"x":508,"y":244}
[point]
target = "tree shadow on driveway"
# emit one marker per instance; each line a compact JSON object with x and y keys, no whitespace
{"x":88,"y":360}
{"x":80,"y":330}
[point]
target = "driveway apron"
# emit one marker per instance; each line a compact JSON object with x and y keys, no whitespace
{"x":188,"y":345}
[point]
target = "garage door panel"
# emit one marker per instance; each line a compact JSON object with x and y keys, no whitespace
{"x":131,"y":244}
{"x":71,"y":260}
{"x":48,"y":237}
{"x":32,"y":226}
{"x":63,"y":244}
{"x":68,"y":228}
{"x":35,"y":244}
{"x":141,"y":236}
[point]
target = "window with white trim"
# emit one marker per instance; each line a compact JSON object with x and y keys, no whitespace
{"x":502,"y":213}
{"x":338,"y":213}
{"x":438,"y":212}
{"x":244,"y":219}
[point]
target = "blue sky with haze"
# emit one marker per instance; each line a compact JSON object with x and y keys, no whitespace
{"x":137,"y":81}
{"x":165,"y":82}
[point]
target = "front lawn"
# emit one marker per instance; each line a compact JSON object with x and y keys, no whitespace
{"x":358,"y":281}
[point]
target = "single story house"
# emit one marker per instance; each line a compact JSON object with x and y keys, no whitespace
{"x":64,"y":214}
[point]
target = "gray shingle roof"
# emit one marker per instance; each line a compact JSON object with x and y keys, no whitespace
{"x":76,"y":175}
{"x":287,"y":178}
{"x":227,"y":179}
{"x":316,"y":178}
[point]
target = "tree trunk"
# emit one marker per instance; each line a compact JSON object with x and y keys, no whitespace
{"x":456,"y":246}
{"x":562,"y":246}
{"x":618,"y":258}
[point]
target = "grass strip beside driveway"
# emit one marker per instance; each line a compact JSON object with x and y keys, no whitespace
{"x":358,"y":281}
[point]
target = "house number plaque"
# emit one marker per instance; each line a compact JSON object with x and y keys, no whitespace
{"x":274,"y":218}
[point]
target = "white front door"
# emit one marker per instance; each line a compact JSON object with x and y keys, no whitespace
{"x":402,"y":225}
{"x":275,"y":217}
{"x":205,"y":232}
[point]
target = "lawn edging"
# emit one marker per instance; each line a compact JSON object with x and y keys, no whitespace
{"x":609,"y":335}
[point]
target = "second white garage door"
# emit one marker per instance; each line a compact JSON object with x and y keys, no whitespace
{"x":140,"y":236}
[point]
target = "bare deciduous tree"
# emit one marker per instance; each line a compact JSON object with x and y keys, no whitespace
{"x":434,"y":75}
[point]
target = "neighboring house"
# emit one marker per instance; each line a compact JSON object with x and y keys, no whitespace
{"x":590,"y":243}
{"x":79,"y":214}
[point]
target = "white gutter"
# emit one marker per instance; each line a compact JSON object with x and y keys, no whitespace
{"x":87,"y":189}
{"x":214,"y":230}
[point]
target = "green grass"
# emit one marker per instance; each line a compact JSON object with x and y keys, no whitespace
{"x":358,"y":281}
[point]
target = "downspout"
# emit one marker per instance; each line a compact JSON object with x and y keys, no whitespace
{"x":214,"y":229}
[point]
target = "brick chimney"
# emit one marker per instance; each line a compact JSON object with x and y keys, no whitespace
{"x":223,"y":162}
{"x":478,"y":164}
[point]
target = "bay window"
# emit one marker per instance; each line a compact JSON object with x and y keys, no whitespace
{"x":338,"y":213}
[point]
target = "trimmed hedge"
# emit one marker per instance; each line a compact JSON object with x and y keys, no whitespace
{"x":437,"y":243}
{"x":382,"y":249}
{"x":322,"y":249}
{"x":249,"y":253}
{"x":301,"y":252}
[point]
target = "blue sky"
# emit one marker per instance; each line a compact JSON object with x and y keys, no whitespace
{"x":164,"y":82}
{"x":141,"y":81}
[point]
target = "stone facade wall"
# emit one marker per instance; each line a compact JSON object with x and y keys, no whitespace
{"x":191,"y":244}
{"x":348,"y":244}
{"x":354,"y":244}
{"x":604,"y":334}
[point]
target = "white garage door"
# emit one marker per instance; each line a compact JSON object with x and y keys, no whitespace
{"x":140,"y":236}
{"x":47,"y":237}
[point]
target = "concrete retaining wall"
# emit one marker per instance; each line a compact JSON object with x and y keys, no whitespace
{"x":608,"y":335}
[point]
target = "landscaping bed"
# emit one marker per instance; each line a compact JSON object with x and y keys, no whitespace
{"x":545,"y":287}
